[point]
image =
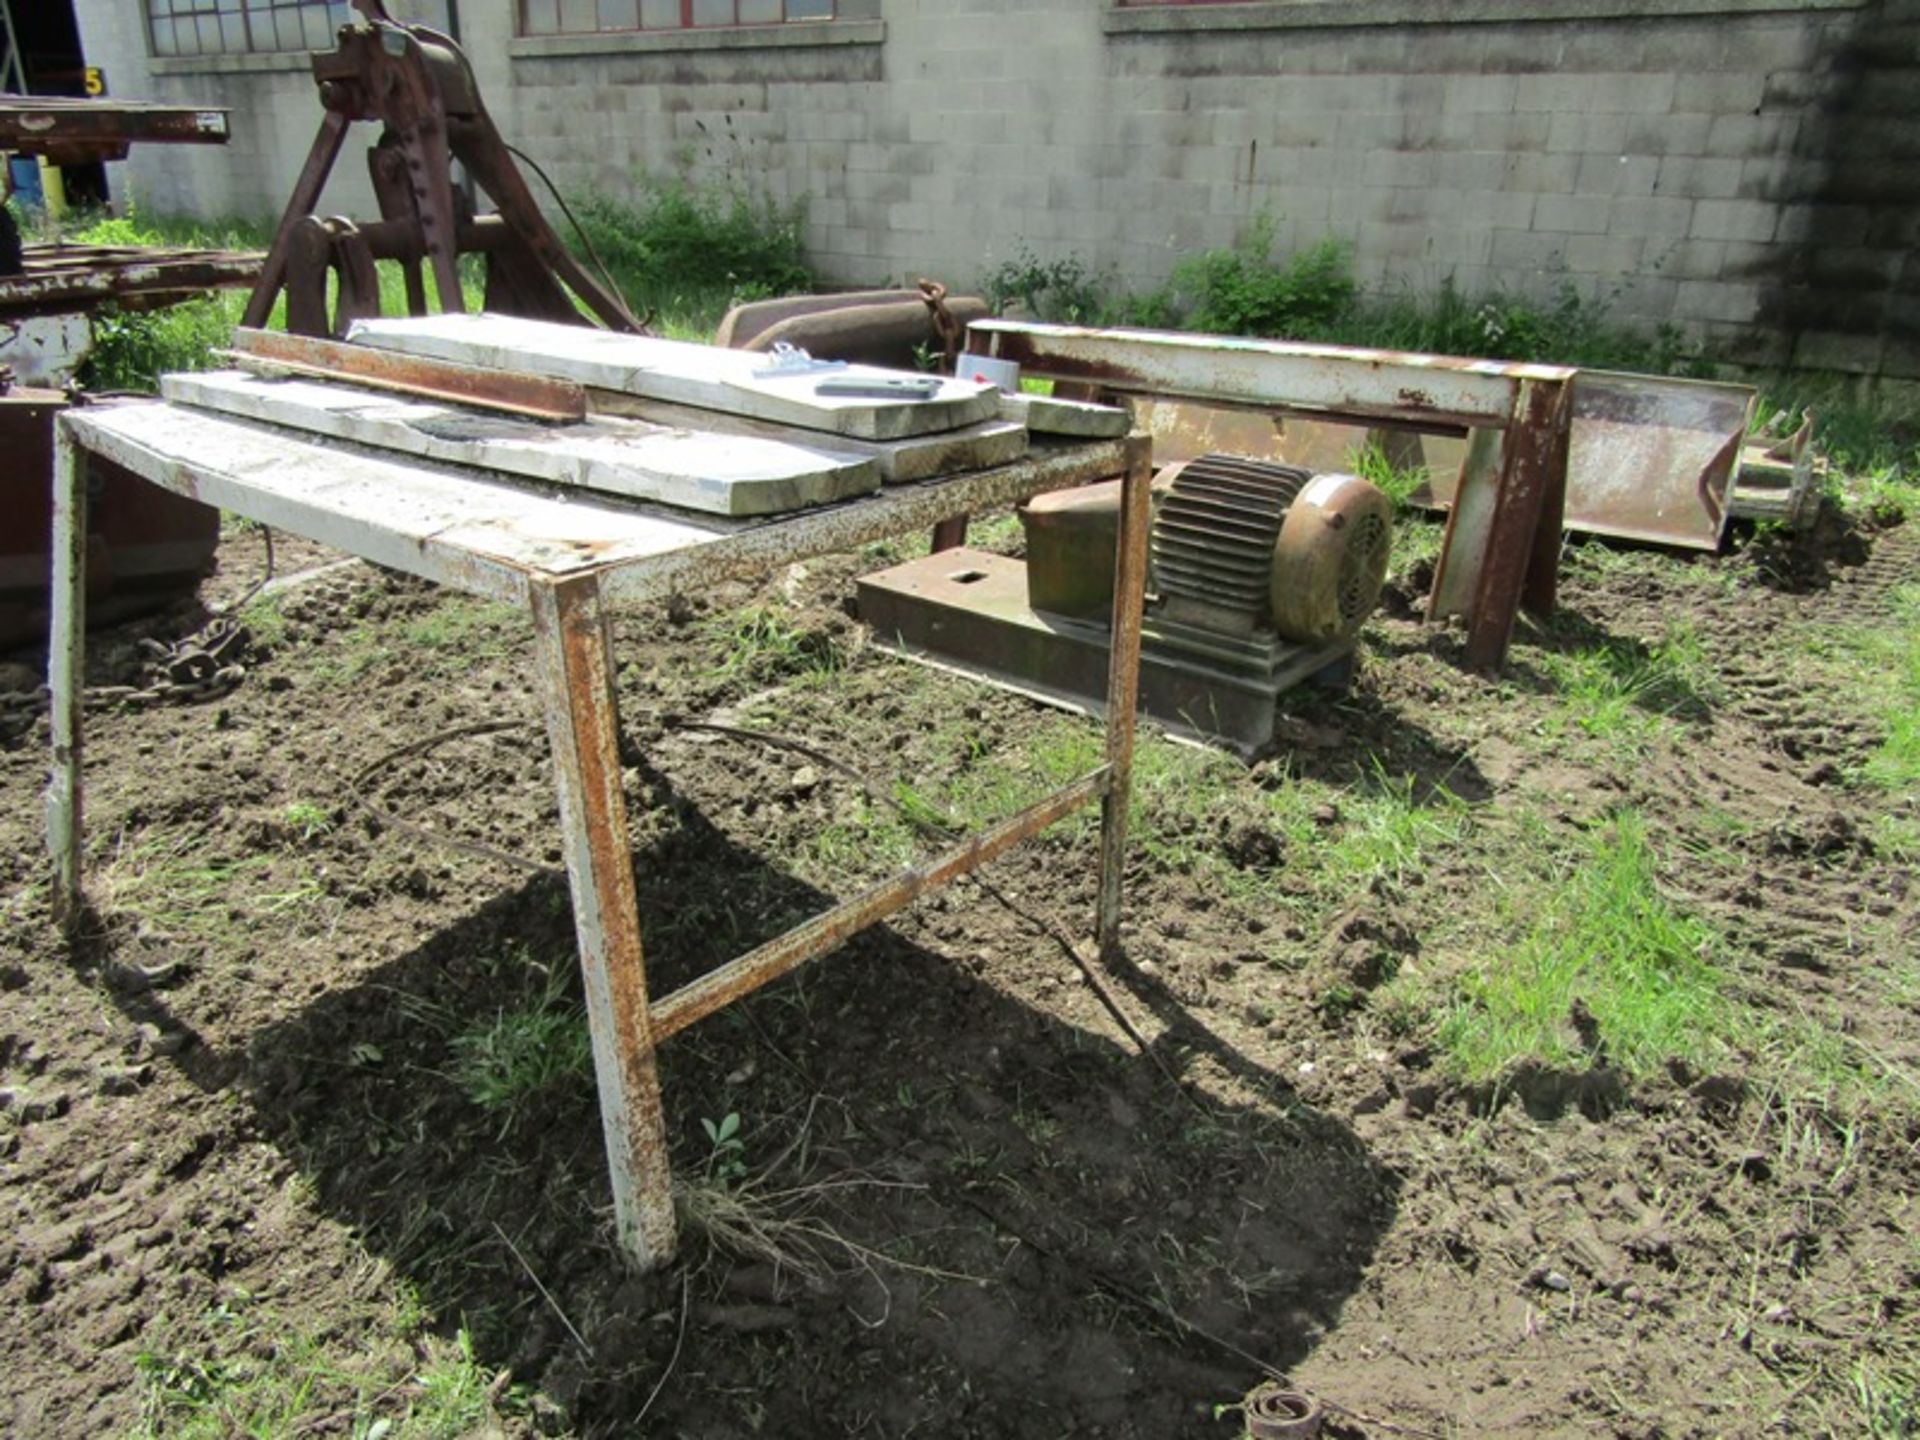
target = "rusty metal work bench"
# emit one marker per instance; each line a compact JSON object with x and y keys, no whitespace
{"x":571,"y":562}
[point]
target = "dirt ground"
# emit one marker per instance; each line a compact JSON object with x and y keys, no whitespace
{"x":301,"y":1138}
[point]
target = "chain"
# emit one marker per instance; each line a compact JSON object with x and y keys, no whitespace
{"x":934,"y":294}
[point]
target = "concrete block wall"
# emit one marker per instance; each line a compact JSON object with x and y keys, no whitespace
{"x":1745,"y":172}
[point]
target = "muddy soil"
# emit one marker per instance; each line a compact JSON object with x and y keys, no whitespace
{"x":964,"y":1201}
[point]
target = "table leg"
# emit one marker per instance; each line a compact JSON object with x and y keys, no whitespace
{"x":66,"y":656}
{"x":1123,"y":685}
{"x":575,"y":668}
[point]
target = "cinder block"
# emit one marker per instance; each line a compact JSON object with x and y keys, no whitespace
{"x":1517,"y":252}
{"x":1727,"y":92}
{"x":1472,"y":170}
{"x":1644,"y":94}
{"x":1743,"y":136}
{"x":1734,"y":220}
{"x":1733,"y":303}
{"x":1605,"y":255}
{"x":1571,"y":214}
{"x":1542,"y":174}
{"x":1511,"y":132}
{"x":1479,"y":94}
{"x":1697,"y":178}
{"x":1555,"y":94}
{"x":1630,"y":175}
{"x":1394,"y":168}
{"x":1664,"y":216}
{"x":1587,"y":134}
{"x":1663,"y":135}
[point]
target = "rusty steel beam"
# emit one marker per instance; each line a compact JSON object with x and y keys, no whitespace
{"x":532,"y":396}
{"x":1521,"y":519}
{"x":69,"y":130}
{"x":721,"y":987}
{"x":1123,"y":681}
{"x":66,"y":666}
{"x":57,"y":279}
{"x":574,"y":674}
{"x":1340,"y":380}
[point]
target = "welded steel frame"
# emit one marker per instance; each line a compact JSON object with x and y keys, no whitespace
{"x":570,"y":600}
{"x":1501,"y":547}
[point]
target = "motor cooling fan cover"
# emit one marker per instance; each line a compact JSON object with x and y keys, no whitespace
{"x":1330,"y":562}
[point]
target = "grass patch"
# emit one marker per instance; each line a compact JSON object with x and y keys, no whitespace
{"x":688,"y":252}
{"x":1882,"y":663}
{"x":164,"y":882}
{"x":279,"y":1380}
{"x":501,"y":1063}
{"x":761,"y":644}
{"x":1600,"y":938}
{"x":1623,"y":691}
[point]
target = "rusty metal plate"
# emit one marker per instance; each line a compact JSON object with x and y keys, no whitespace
{"x":1651,"y":459}
{"x":60,"y":278}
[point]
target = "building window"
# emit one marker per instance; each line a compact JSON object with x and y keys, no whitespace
{"x":587,"y":17}
{"x":244,"y":27}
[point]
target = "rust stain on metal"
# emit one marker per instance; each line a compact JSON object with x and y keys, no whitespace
{"x":530,"y":396}
{"x":719,"y":988}
{"x":1418,"y":399}
{"x":58,"y":278}
{"x":1533,"y":471}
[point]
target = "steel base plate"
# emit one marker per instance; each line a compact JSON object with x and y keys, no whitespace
{"x":967,"y":610}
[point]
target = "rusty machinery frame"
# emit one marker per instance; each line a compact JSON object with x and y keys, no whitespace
{"x":1501,"y":549}
{"x":456,"y":532}
{"x":417,"y":85}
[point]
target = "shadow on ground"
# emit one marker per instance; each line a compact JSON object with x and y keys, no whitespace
{"x":950,"y":1209}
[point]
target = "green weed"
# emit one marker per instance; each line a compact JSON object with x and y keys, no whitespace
{"x":1623,"y":691}
{"x":165,"y":883}
{"x":1882,"y":661}
{"x":1242,"y":291}
{"x":277,"y":1380}
{"x":503,"y":1062}
{"x":308,"y":820}
{"x":1602,"y":938}
{"x":762,"y":644}
{"x":691,"y":252}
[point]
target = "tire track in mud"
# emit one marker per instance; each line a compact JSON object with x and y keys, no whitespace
{"x":1812,"y":901}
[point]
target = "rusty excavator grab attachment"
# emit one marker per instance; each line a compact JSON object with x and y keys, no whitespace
{"x":417,"y":85}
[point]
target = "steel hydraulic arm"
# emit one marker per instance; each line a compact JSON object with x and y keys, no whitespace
{"x":417,"y":85}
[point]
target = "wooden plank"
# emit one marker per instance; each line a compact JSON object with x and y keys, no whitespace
{"x":919,"y":457}
{"x":687,"y":374}
{"x":719,"y":475}
{"x":1047,"y":415}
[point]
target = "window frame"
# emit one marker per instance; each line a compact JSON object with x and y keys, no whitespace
{"x":687,"y":23}
{"x":247,"y":12}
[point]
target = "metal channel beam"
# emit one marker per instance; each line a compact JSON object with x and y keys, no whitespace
{"x":721,"y":987}
{"x":1329,"y":379}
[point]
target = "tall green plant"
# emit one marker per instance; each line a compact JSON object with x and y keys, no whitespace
{"x":1241,"y":291}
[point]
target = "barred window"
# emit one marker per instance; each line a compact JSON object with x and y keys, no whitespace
{"x":243,"y":27}
{"x":586,"y":17}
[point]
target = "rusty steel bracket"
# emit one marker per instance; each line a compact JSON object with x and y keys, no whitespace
{"x":417,"y":85}
{"x":1502,"y":543}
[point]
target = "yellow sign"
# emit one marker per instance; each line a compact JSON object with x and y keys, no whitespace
{"x":96,"y":81}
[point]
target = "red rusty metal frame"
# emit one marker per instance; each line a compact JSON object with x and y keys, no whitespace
{"x":73,"y":131}
{"x":574,"y":670}
{"x":534,"y":396}
{"x":418,"y":86}
{"x":59,"y":278}
{"x":1501,"y":546}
